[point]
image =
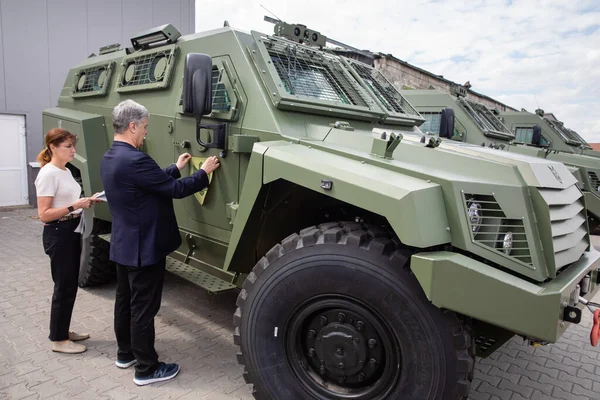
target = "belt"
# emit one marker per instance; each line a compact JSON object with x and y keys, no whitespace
{"x":63,"y":219}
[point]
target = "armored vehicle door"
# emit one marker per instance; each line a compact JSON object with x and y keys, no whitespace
{"x":216,"y":207}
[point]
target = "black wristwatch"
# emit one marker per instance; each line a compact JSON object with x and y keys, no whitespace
{"x":71,"y":209}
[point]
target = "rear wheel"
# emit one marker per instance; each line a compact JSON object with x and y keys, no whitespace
{"x":95,"y":266}
{"x":334,"y":313}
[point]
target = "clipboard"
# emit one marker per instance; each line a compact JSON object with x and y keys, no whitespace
{"x":195,"y":165}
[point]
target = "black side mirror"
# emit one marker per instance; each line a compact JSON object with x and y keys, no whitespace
{"x":536,"y":139}
{"x":197,"y":84}
{"x":447,"y":123}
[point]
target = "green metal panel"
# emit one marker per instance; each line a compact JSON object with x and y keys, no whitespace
{"x":403,"y":200}
{"x":91,"y":145}
{"x":494,"y":296}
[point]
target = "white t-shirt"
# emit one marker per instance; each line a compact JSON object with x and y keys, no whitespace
{"x":60,"y":184}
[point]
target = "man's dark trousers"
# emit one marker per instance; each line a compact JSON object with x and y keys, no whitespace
{"x":139,"y":292}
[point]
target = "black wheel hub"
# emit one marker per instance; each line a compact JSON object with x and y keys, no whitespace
{"x":339,"y":347}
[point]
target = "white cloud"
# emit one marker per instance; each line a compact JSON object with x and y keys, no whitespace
{"x":518,"y":52}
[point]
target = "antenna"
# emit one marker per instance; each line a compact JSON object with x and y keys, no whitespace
{"x":538,"y":111}
{"x":278,"y":19}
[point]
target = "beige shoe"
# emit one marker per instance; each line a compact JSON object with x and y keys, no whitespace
{"x":78,"y":336}
{"x":68,"y":347}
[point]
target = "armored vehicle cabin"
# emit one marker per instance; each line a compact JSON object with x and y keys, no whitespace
{"x":371,"y":265}
{"x":519,"y":132}
{"x":553,"y":133}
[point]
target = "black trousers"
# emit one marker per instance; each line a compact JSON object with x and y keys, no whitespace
{"x":63,"y":246}
{"x":139,"y":292}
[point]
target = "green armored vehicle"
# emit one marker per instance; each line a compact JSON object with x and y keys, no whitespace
{"x":519,"y":132}
{"x":371,"y":265}
{"x":569,"y":148}
{"x":553,"y":132}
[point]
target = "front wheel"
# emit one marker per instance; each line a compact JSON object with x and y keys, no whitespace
{"x":334,"y":313}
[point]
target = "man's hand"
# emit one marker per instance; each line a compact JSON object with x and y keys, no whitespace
{"x":210,"y":164}
{"x":183,"y":160}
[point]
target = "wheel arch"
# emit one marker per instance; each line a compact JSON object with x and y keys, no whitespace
{"x":281,"y":178}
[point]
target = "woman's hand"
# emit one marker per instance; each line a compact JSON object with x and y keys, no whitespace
{"x":84,"y":202}
{"x":210,"y":164}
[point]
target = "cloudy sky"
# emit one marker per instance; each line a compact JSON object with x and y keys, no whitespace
{"x":520,"y":52}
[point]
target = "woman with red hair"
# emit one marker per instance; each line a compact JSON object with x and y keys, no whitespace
{"x":59,"y":208}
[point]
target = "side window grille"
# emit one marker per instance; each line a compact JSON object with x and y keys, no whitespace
{"x":386,"y":93}
{"x":221,"y":101}
{"x":306,"y":72}
{"x":92,"y":81}
{"x":148,"y":71}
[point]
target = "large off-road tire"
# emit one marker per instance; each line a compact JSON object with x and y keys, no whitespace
{"x":334,"y":312}
{"x":95,"y":267}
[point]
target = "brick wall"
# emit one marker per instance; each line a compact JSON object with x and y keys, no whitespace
{"x":404,"y":76}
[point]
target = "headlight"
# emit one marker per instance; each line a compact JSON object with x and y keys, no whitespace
{"x":474,"y":214}
{"x":507,"y":243}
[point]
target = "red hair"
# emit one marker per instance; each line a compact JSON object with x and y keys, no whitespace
{"x":55,"y":137}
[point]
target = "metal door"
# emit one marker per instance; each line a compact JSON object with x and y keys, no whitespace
{"x":13,"y":161}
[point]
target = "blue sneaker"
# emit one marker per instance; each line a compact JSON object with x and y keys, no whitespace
{"x":125,"y":363}
{"x":164,"y":372}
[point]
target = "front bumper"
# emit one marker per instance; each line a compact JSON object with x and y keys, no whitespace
{"x":535,"y":310}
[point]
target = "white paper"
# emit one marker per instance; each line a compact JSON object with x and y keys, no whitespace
{"x":101,"y":196}
{"x":86,"y":221}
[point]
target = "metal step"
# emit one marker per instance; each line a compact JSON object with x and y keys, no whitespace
{"x":194,"y":275}
{"x":197,"y":277}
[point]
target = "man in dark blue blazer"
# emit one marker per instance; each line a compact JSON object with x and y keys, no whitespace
{"x":144,"y":231}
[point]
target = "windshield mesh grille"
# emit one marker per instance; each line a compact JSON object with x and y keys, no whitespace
{"x":484,"y":118}
{"x":384,"y":90}
{"x":306,"y":72}
{"x":564,"y":132}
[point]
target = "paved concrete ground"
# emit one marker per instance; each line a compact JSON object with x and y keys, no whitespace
{"x":195,"y":329}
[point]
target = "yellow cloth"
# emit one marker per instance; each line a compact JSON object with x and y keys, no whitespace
{"x":195,"y":166}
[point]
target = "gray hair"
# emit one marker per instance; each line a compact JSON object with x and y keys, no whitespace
{"x":126,"y":112}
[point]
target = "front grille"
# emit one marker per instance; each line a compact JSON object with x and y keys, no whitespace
{"x":568,"y":224}
{"x":489,"y":227}
{"x":594,"y":183}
